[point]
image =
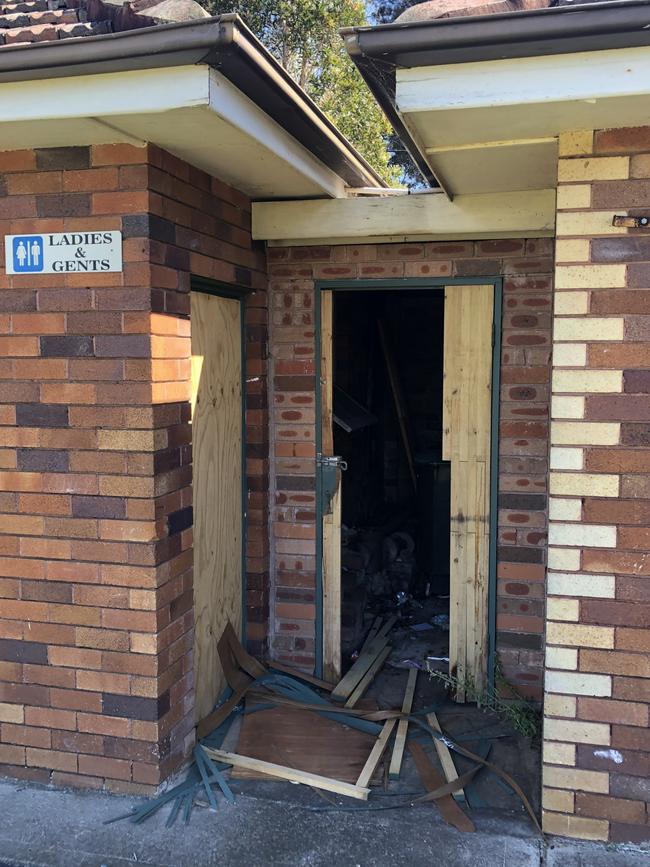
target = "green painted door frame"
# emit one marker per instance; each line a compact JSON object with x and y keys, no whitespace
{"x":423,"y":285}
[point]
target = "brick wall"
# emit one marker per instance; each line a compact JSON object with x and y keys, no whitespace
{"x":527,"y":269}
{"x":597,"y":742}
{"x":95,"y":463}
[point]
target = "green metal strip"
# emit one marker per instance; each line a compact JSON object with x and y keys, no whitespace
{"x":494,"y":478}
{"x":236,"y":293}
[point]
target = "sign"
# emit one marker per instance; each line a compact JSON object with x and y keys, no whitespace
{"x":64,"y":253}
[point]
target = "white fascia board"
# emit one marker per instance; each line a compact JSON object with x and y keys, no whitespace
{"x":146,"y":91}
{"x":234,"y":107}
{"x":525,"y":80}
{"x":432,"y":216}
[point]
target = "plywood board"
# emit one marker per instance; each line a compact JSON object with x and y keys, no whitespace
{"x":467,"y":419}
{"x":303,"y":740}
{"x":217,"y":486}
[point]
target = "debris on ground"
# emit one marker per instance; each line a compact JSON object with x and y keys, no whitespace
{"x":301,"y":729}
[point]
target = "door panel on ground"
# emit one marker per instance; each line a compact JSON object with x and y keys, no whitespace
{"x":217,"y":484}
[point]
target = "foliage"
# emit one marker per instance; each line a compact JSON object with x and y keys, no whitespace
{"x":386,"y":11}
{"x":505,"y":701}
{"x":304,"y":37}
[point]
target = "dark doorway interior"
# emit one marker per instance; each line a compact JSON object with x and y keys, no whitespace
{"x":388,"y":362}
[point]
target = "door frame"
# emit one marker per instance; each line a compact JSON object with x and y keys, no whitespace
{"x":423,"y":284}
{"x":237,"y":293}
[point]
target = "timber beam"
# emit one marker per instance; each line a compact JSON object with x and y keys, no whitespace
{"x":422,"y":217}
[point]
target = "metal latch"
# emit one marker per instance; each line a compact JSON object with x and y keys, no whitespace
{"x":335,"y":462}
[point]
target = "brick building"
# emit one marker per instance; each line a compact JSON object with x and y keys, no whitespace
{"x":243,"y":213}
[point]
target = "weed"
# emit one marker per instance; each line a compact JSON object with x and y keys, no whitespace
{"x":504,"y":700}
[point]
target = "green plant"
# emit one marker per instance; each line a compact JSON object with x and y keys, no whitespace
{"x":513,"y":707}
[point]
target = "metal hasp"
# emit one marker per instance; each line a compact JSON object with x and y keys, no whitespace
{"x":631,"y":222}
{"x":329,"y":473}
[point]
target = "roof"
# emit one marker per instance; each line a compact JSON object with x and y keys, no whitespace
{"x":566,"y":27}
{"x":128,"y":39}
{"x":49,"y":20}
{"x":463,"y":8}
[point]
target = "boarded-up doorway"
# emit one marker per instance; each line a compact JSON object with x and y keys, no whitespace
{"x":467,"y":370}
{"x":217,"y":452}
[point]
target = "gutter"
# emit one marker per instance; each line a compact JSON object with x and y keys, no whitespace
{"x":379,"y":51}
{"x":225,"y":44}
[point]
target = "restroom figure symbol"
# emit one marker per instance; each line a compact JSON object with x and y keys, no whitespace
{"x":28,"y":254}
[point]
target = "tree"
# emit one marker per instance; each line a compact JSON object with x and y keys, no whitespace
{"x":386,"y":11}
{"x":304,"y":37}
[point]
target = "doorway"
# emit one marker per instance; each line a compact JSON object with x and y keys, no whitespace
{"x":405,"y":466}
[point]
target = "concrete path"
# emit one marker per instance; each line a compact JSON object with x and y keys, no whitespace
{"x":45,"y":828}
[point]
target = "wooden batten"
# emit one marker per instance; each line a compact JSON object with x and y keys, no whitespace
{"x":331,"y":563}
{"x":467,"y":402}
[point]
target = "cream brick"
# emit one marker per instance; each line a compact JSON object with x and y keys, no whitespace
{"x":569,"y":355}
{"x":571,"y":303}
{"x":581,"y":584}
{"x":574,"y":196}
{"x":579,"y":827}
{"x":558,"y":799}
{"x":584,"y":484}
{"x":560,"y":705}
{"x":562,"y":609}
{"x":588,"y":433}
{"x":582,"y":535}
{"x":578,"y":683}
{"x":586,"y":382}
{"x":576,"y":780}
{"x":12,"y":713}
{"x":561,"y":657}
{"x":563,"y":406}
{"x":580,"y":635}
{"x":564,"y":559}
{"x":594,"y":169}
{"x":587,"y":223}
{"x":588,"y":328}
{"x":564,"y":509}
{"x":574,"y":249}
{"x":567,"y":459}
{"x":554,"y":753}
{"x":577,"y":732}
{"x":577,"y":143}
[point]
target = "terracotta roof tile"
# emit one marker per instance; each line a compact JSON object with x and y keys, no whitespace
{"x":48,"y":20}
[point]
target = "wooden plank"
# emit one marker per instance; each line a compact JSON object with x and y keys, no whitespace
{"x":398,"y":399}
{"x":529,"y":213}
{"x":432,"y":781}
{"x":402,"y":727}
{"x":374,"y":629}
{"x":387,"y":626}
{"x":376,"y":753}
{"x":332,"y":587}
{"x":331,"y":529}
{"x":217,"y":469}
{"x":270,"y":769}
{"x":344,"y":687}
{"x":467,"y":420}
{"x":446,"y":761}
{"x":368,"y":678}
